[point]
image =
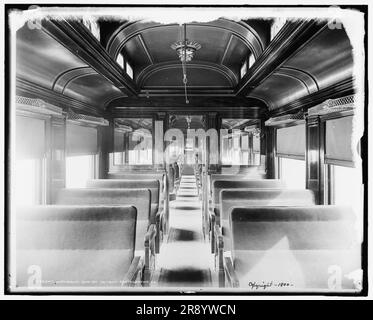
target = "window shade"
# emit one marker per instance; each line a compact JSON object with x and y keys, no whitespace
{"x":80,"y":140}
{"x":338,"y":140}
{"x":291,"y":141}
{"x":118,"y":141}
{"x":245,"y":142}
{"x":30,"y":138}
{"x":256,"y":144}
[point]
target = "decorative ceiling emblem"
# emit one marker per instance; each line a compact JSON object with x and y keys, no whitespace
{"x":185,"y":50}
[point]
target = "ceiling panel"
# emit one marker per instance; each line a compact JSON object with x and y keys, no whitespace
{"x":328,"y":57}
{"x":198,"y":76}
{"x":235,"y":55}
{"x":212,"y":40}
{"x":40,"y":58}
{"x":92,"y":89}
{"x":159,"y":41}
{"x":279,"y":89}
{"x":135,"y":50}
{"x":322,"y":62}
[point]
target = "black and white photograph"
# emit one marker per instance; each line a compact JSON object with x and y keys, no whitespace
{"x":198,"y":149}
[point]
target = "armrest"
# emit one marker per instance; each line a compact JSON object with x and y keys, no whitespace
{"x":132,"y":273}
{"x":159,"y":228}
{"x":219,"y":255}
{"x":212,"y":222}
{"x":149,"y":258}
{"x":219,"y":237}
{"x":158,"y":216}
{"x":231,"y":274}
{"x":150,"y":235}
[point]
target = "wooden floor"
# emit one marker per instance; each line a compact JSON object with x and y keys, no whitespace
{"x":185,"y":260}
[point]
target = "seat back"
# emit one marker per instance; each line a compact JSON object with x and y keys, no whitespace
{"x":242,"y":169}
{"x":218,"y":185}
{"x":299,"y":246}
{"x":133,"y":175}
{"x":234,"y":177}
{"x":152,"y":185}
{"x":137,"y":176}
{"x":74,"y":245}
{"x":230,"y":198}
{"x":139,"y":198}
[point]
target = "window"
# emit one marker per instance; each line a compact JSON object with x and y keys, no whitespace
{"x":293,"y":172}
{"x":189,"y":151}
{"x":129,"y":70}
{"x":28,"y":178}
{"x":119,"y":158}
{"x":251,"y":60}
{"x":29,"y":182}
{"x":120,"y":60}
{"x":346,"y":186}
{"x":141,"y":149}
{"x":235,"y":148}
{"x":245,"y":149}
{"x":81,"y":151}
{"x":79,"y":169}
{"x":256,"y":149}
{"x":133,"y":141}
{"x":243,"y":69}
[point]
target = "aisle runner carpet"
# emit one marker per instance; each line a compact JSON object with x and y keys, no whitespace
{"x":185,"y":260}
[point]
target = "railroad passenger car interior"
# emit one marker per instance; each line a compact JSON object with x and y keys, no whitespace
{"x":186,"y":150}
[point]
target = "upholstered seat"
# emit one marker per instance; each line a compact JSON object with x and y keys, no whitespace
{"x":220,"y":184}
{"x":139,"y":198}
{"x":230,"y":198}
{"x":302,"y":247}
{"x":152,"y":185}
{"x":75,"y":245}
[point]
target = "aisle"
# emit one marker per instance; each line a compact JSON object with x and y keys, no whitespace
{"x":185,"y":259}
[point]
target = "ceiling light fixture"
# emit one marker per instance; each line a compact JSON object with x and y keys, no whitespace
{"x":185,"y":50}
{"x":188,"y":120}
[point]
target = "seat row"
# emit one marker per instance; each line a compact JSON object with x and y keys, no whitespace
{"x":89,"y":221}
{"x":267,"y":237}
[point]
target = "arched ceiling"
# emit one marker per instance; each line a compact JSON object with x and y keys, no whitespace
{"x":224,"y":46}
{"x":63,"y":61}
